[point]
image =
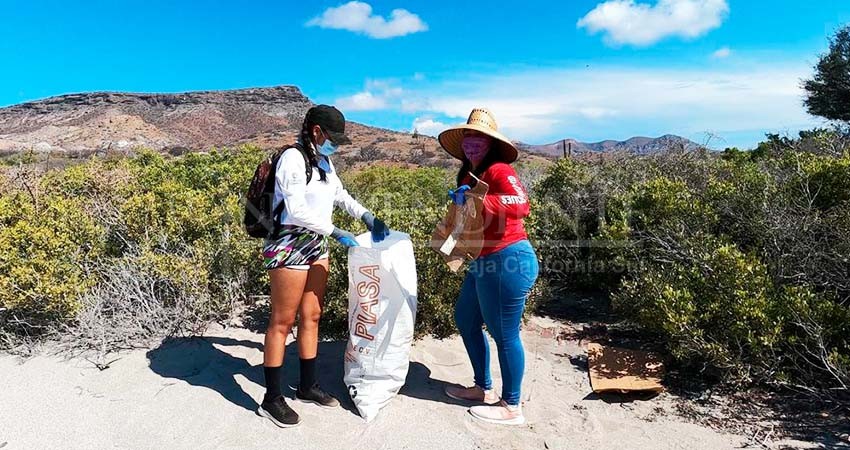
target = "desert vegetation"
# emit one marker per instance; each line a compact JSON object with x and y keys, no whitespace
{"x":737,"y":261}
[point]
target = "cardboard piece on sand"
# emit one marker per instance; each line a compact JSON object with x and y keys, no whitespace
{"x":620,"y":370}
{"x":459,"y":237}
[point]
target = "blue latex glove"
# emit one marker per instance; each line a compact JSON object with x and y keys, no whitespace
{"x":345,"y":238}
{"x":379,"y":229}
{"x":457,"y":195}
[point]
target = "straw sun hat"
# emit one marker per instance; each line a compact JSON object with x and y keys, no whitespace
{"x":480,"y":120}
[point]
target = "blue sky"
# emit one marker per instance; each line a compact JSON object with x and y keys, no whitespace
{"x":592,"y":70}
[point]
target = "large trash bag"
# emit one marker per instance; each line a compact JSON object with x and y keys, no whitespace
{"x":381,"y":317}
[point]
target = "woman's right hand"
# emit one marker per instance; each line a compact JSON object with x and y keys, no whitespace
{"x":345,"y":238}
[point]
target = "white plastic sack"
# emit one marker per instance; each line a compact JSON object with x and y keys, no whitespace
{"x":381,"y":315}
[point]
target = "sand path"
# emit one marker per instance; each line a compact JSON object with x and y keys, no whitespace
{"x":201,"y":394}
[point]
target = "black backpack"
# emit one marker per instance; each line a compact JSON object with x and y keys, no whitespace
{"x":262,"y":219}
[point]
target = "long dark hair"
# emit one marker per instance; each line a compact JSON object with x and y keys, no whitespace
{"x":466,"y":166}
{"x":307,"y":143}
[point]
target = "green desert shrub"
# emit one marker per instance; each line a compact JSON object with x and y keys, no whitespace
{"x":44,"y":256}
{"x":818,"y":338}
{"x":568,"y":209}
{"x":826,"y":181}
{"x":177,"y":221}
{"x":739,"y":261}
{"x":740,"y":192}
{"x":720,"y":312}
{"x":713,"y":304}
{"x":663,"y":203}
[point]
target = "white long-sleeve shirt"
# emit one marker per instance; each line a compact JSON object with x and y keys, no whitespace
{"x":310,"y":205}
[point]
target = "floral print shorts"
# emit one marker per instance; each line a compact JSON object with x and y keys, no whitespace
{"x":295,"y":248}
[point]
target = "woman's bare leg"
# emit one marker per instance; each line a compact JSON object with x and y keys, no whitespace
{"x":287,"y":289}
{"x":310,"y":311}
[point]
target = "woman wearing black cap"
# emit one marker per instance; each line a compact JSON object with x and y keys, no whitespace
{"x":297,"y":256}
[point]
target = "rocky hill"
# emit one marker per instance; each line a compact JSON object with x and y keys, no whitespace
{"x":196,"y":120}
{"x":78,"y":125}
{"x":635,"y":145}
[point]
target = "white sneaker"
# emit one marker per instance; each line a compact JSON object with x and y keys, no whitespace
{"x":502,"y":414}
{"x":473,"y":394}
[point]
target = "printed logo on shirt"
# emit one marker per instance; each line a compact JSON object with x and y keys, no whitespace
{"x":519,"y":199}
{"x":512,"y":200}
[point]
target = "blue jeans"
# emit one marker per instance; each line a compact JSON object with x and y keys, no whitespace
{"x":494,"y":293}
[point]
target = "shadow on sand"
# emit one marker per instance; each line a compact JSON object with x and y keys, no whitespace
{"x":206,"y":362}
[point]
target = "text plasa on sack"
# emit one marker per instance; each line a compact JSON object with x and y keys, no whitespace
{"x":369,"y":293}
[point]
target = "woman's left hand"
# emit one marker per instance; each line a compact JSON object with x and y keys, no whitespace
{"x":457,"y":195}
{"x":379,"y":229}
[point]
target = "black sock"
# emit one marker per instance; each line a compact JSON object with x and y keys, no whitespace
{"x":308,"y":373}
{"x":272,"y":375}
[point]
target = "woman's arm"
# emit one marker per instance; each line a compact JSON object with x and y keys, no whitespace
{"x":506,"y":196}
{"x":291,"y":179}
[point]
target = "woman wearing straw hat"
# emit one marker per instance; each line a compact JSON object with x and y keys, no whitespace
{"x":499,"y":280}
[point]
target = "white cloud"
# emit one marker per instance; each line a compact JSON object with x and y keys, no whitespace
{"x":383,"y":94}
{"x":387,"y":88}
{"x":596,"y":112}
{"x":415,"y":104}
{"x":428,"y":126}
{"x":722,"y":53}
{"x":357,"y":17}
{"x":541,"y":105}
{"x":521,"y":115}
{"x":362,"y":101}
{"x":642,"y":24}
{"x":378,"y":94}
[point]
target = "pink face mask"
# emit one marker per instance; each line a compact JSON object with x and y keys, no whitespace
{"x":475,"y":147}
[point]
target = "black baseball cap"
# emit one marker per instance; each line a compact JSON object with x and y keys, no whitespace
{"x":331,"y":120}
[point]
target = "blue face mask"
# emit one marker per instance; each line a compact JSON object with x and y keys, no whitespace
{"x":328,"y":148}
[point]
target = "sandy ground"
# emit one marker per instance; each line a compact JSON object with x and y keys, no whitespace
{"x":201,"y":393}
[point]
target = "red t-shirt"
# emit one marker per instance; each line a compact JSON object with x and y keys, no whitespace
{"x":505,"y":207}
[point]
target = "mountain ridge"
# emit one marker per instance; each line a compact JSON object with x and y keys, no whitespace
{"x":635,"y":145}
{"x":80,"y":124}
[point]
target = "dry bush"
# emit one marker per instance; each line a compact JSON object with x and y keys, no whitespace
{"x":130,"y":307}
